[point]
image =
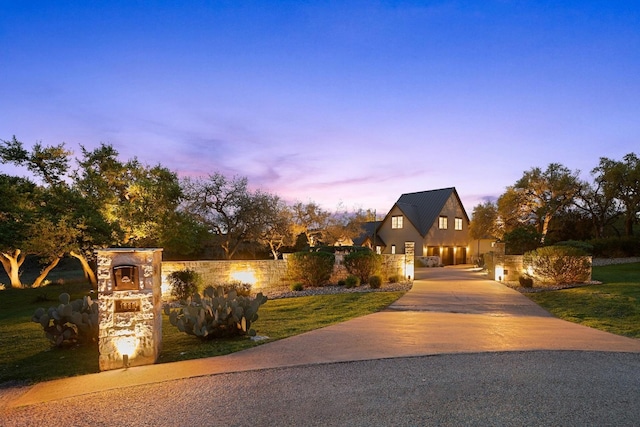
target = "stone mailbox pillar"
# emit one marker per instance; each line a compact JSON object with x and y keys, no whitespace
{"x":130,"y":307}
{"x":409,"y":260}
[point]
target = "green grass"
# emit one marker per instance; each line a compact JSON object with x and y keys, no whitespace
{"x":26,"y":355}
{"x":613,"y":306}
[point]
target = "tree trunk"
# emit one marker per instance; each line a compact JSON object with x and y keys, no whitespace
{"x":274,"y":249}
{"x":545,"y":227}
{"x":43,"y":274}
{"x":88,"y":271}
{"x":628,"y":225}
{"x":11,"y":264}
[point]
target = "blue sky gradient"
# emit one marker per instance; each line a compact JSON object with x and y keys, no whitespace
{"x":338,"y":102}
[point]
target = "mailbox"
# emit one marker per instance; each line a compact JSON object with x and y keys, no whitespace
{"x":125,"y":278}
{"x":129,"y":306}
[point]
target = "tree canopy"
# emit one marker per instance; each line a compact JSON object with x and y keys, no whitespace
{"x":555,"y":201}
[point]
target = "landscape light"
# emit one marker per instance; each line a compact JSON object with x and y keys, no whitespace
{"x":127,"y":347}
{"x":244,"y":276}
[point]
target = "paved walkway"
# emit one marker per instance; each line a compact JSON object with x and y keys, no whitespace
{"x":448,"y":311}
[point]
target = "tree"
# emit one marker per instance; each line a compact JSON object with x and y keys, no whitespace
{"x":512,"y":212}
{"x":182,"y":236}
{"x":623,"y":179}
{"x":521,"y":239}
{"x":344,"y":226}
{"x":231,"y":212}
{"x":312,"y":220}
{"x":138,"y":201}
{"x":545,"y":193}
{"x":278,"y":226}
{"x":484,"y":223}
{"x":50,"y":164}
{"x":50,"y":241}
{"x":598,"y":201}
{"x":18,"y":203}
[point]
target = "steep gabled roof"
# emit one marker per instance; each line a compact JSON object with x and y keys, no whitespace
{"x":369,"y":228}
{"x":422,"y":208}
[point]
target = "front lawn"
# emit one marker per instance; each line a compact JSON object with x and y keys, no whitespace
{"x":613,"y":306}
{"x":26,"y":356}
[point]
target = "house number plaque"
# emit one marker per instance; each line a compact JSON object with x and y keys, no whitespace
{"x":127,"y":305}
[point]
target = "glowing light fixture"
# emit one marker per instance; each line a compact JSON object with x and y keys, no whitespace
{"x":126,"y":346}
{"x":244,"y":276}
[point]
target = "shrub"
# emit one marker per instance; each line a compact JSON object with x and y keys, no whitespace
{"x":526,"y":281}
{"x":184,"y":283}
{"x":375,"y":282}
{"x":616,"y":247}
{"x":559,"y":265}
{"x":341,"y":282}
{"x":343,"y":249}
{"x":394,"y":278}
{"x":217,"y":314}
{"x":352,"y":281}
{"x":71,"y":323}
{"x":297,"y":287}
{"x":311,"y":268}
{"x":243,"y":289}
{"x":363,"y":264}
{"x":520,"y":240}
{"x":585,"y":247}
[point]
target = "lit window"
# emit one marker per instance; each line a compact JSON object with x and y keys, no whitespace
{"x":458,"y":224}
{"x":396,"y":221}
{"x":393,"y":249}
{"x":443,"y":223}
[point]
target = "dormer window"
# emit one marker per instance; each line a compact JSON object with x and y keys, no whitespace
{"x":396,"y":221}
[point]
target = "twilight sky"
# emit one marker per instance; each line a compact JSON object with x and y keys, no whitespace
{"x":337,"y":102}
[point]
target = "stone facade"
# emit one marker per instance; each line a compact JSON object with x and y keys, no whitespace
{"x":130,"y":307}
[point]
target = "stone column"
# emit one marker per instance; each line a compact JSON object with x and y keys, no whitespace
{"x":130,"y":307}
{"x":409,"y":260}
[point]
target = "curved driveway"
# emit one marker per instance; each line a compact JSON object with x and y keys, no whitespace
{"x":454,"y":339}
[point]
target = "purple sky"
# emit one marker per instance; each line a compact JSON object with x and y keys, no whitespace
{"x":337,"y":102}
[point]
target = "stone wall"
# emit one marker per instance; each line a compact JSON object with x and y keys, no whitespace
{"x":597,"y":262}
{"x":264,"y":274}
{"x":259,"y":273}
{"x":509,"y":268}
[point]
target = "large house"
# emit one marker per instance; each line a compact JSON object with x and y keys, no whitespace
{"x":435,"y":221}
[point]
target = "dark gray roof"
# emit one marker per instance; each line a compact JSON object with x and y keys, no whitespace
{"x":422,"y":208}
{"x":369,"y":228}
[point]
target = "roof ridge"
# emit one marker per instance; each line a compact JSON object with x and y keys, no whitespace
{"x":428,"y":191}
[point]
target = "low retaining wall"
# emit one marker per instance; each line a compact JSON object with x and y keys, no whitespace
{"x":264,"y":274}
{"x":260,"y":273}
{"x":509,"y":268}
{"x":599,"y":262}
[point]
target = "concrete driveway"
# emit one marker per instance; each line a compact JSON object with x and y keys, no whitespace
{"x":449,"y":311}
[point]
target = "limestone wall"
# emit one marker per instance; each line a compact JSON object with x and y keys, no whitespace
{"x":612,"y":261}
{"x":509,"y":268}
{"x":263,"y":274}
{"x":260,"y":273}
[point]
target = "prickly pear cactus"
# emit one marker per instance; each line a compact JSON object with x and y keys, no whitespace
{"x":70,"y":323}
{"x":217,"y":313}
